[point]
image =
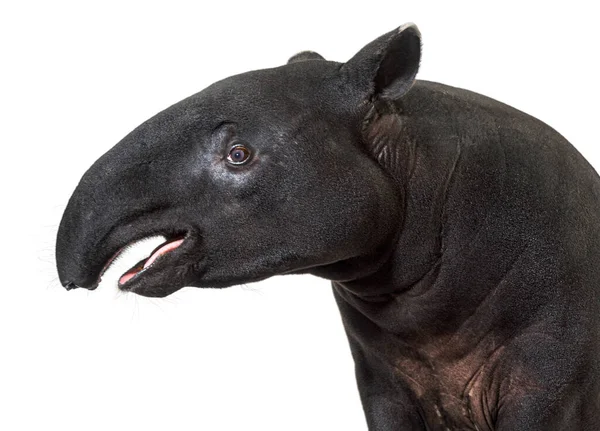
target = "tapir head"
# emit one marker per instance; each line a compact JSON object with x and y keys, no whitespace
{"x":261,"y":174}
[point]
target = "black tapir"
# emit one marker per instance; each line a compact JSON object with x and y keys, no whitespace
{"x":462,"y":236}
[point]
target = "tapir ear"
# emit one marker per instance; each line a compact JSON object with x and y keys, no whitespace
{"x":386,"y":68}
{"x":305,"y":55}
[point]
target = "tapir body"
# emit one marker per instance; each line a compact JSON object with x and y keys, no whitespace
{"x":462,"y":236}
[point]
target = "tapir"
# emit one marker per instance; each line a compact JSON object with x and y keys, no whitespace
{"x":461,"y":236}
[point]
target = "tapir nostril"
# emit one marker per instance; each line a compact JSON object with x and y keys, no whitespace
{"x":69,"y":285}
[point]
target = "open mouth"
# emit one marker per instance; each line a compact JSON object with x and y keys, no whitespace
{"x":144,"y":264}
{"x":152,"y":261}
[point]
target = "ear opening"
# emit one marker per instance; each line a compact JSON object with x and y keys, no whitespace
{"x":386,"y":68}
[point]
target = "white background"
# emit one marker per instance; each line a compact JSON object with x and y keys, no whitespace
{"x":76,"y":77}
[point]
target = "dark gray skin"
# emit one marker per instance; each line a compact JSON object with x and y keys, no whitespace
{"x":462,"y":236}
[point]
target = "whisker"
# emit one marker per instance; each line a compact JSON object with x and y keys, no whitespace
{"x":253,"y":289}
{"x":53,"y":283}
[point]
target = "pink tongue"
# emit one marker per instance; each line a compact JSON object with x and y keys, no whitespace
{"x":164,"y":249}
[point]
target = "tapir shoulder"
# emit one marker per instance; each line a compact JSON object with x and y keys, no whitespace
{"x":440,"y":115}
{"x":467,"y":108}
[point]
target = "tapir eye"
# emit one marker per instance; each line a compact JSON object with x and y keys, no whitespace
{"x":238,"y":155}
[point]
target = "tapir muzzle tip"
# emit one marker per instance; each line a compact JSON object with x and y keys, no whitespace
{"x":69,"y":285}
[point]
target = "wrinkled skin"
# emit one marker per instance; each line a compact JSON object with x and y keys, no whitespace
{"x":460,"y":234}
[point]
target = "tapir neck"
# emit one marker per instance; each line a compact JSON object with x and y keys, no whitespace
{"x":432,"y":310}
{"x":452,"y":249}
{"x":419,"y":144}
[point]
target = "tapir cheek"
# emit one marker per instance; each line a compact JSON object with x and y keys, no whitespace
{"x":230,"y":209}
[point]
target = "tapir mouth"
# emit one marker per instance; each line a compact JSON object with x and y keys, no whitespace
{"x":164,"y":270}
{"x":143,"y":265}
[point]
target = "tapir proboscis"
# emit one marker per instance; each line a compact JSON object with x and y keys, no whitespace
{"x":462,"y":236}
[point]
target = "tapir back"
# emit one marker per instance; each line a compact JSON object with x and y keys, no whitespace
{"x":506,"y":163}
